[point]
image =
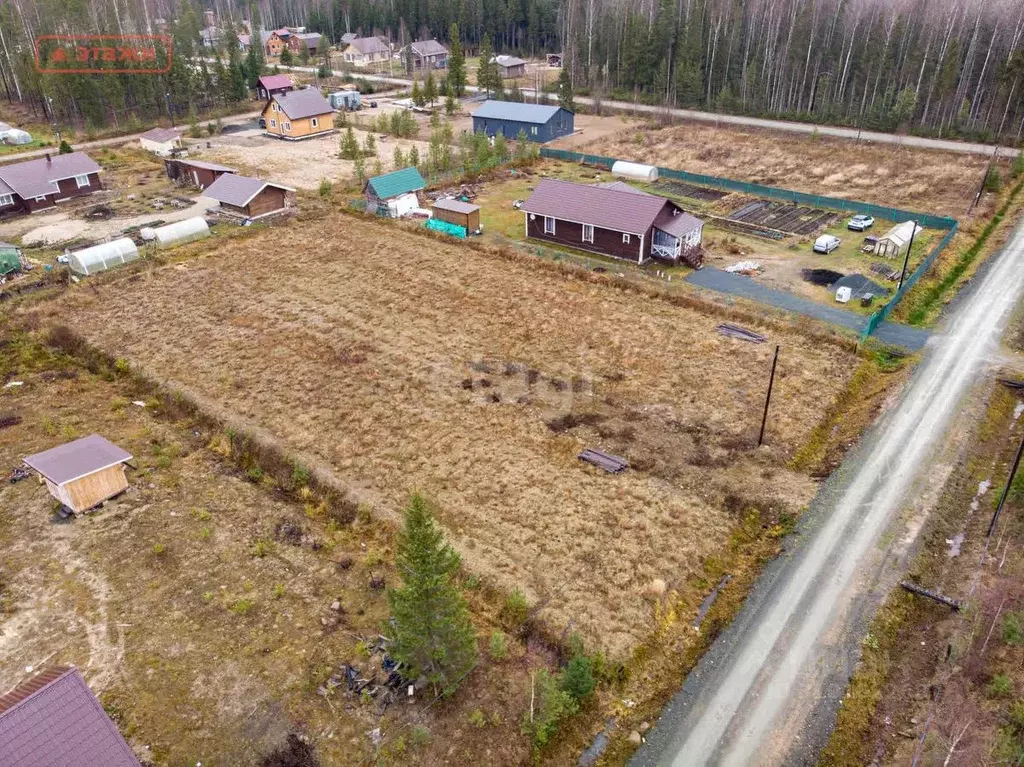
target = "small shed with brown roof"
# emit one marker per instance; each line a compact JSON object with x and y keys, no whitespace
{"x":83,"y":473}
{"x":269,"y":86}
{"x":53,"y":719}
{"x":609,"y":220}
{"x":245,"y":197}
{"x":459,"y":213}
{"x":194,"y":172}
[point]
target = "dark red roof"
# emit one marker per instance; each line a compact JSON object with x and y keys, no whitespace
{"x":273,"y":82}
{"x":600,"y":206}
{"x":54,"y":720}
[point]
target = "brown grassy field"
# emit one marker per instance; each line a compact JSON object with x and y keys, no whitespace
{"x":916,"y":179}
{"x":396,"y":362}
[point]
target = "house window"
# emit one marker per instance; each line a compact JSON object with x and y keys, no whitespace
{"x":588,"y":233}
{"x":533,"y":130}
{"x":274,"y":106}
{"x":273,"y":123}
{"x":626,"y":238}
{"x":286,"y":126}
{"x":6,"y":199}
{"x":549,"y":225}
{"x":82,"y":181}
{"x":314,"y":122}
{"x":41,"y":198}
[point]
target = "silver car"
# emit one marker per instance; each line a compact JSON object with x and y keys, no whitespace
{"x":860,"y":223}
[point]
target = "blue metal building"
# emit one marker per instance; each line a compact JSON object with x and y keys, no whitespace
{"x":539,"y":122}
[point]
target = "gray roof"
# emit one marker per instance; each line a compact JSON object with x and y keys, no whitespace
{"x":507,"y":61}
{"x":36,"y":178}
{"x":367,"y":45}
{"x":54,"y":719}
{"x":676,"y":222}
{"x":161,"y":135}
{"x":456,"y":206}
{"x":607,"y":208}
{"x":303,"y":103}
{"x":348,"y":37}
{"x":538,"y":114}
{"x":203,"y":165}
{"x":239,"y":190}
{"x":65,"y":463}
{"x":428,"y":48}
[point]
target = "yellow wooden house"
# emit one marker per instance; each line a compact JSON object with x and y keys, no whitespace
{"x":298,"y":114}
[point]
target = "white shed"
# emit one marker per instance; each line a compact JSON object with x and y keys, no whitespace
{"x":635,"y":171}
{"x":100,"y":257}
{"x":181,"y":232}
{"x":895,"y":241}
{"x":160,"y":140}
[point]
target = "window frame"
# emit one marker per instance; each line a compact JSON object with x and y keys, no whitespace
{"x":314,"y":122}
{"x":589,"y":239}
{"x":6,"y":199}
{"x":78,"y":180}
{"x":273,"y":123}
{"x":552,"y":220}
{"x":40,"y":198}
{"x":286,"y":127}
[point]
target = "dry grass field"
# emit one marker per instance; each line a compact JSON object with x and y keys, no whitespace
{"x":396,"y":362}
{"x":916,"y":179}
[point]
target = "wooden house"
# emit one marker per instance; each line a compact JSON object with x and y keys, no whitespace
{"x":32,"y":185}
{"x":509,"y":67}
{"x":554,"y":59}
{"x":298,"y":115}
{"x":83,"y":473}
{"x":275,"y":41}
{"x":538,"y":122}
{"x":269,"y":86}
{"x":614,"y":220}
{"x":366,"y":51}
{"x":459,"y":213}
{"x":394,"y":194}
{"x":198,"y":173}
{"x":53,"y":718}
{"x":249,"y":198}
{"x":425,"y":54}
{"x":161,"y":141}
{"x":304,"y":41}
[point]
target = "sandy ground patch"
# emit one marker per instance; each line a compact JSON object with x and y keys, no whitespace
{"x":404,"y":363}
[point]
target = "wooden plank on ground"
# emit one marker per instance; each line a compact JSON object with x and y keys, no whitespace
{"x":613,"y":464}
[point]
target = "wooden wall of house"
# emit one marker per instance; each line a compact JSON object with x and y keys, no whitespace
{"x":299,"y":128}
{"x":606,"y":241}
{"x":267,"y":201}
{"x":68,"y":187}
{"x":95,"y":488}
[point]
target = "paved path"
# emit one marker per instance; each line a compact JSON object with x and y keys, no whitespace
{"x":768,"y":689}
{"x":744,"y":287}
{"x":116,"y":140}
{"x":750,"y":122}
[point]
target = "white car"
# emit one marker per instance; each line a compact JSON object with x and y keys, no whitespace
{"x":860,"y":223}
{"x":826,"y":243}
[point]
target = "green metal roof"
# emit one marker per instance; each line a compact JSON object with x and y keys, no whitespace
{"x":397,"y":182}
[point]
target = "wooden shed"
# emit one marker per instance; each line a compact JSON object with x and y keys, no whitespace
{"x":459,"y":213}
{"x":198,"y":173}
{"x":83,"y":473}
{"x":252,"y":198}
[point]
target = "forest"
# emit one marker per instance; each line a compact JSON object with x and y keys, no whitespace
{"x":934,"y":67}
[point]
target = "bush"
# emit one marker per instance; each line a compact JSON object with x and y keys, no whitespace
{"x":516,"y":610}
{"x":578,"y":679}
{"x":553,"y":704}
{"x":324,"y":190}
{"x":1013,"y":629}
{"x":1001,"y":686}
{"x":65,"y":148}
{"x":497,"y":647}
{"x":993,"y":181}
{"x":1018,"y":166}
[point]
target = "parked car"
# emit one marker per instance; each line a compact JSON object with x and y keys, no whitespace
{"x":826,"y":243}
{"x":860,"y":223}
{"x":263,"y":122}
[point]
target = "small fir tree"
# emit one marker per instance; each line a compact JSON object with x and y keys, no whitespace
{"x":456,"y":62}
{"x":399,"y":158}
{"x":430,"y":89}
{"x":565,"y":96}
{"x":433,"y":634}
{"x":417,"y":94}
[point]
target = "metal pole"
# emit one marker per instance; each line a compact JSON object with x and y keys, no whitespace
{"x":1006,"y":490}
{"x":906,"y":258}
{"x":768,"y":397}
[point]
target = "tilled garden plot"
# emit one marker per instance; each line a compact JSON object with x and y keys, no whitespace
{"x":792,"y":219}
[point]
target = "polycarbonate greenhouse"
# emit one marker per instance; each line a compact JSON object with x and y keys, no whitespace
{"x":181,"y":232}
{"x":101,"y":257}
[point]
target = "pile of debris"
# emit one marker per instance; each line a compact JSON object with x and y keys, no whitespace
{"x":749,"y":268}
{"x":466,"y":193}
{"x":381,"y":679}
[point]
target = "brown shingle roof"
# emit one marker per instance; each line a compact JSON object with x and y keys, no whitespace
{"x":84,"y":456}
{"x":37,"y":178}
{"x":607,"y":208}
{"x":304,"y":103}
{"x":54,"y":720}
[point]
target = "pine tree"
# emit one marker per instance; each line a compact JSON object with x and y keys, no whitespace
{"x":578,"y":679}
{"x":430,"y":89}
{"x":370,"y":145}
{"x":414,"y":157}
{"x":360,"y":169}
{"x":565,"y":97}
{"x":456,"y":62}
{"x":349,"y":145}
{"x":433,"y":634}
{"x":500,"y":147}
{"x":399,"y":158}
{"x":417,"y":94}
{"x":486,"y":72}
{"x":450,"y":105}
{"x":286,"y":56}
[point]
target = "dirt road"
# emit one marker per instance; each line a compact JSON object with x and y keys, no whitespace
{"x":757,"y":696}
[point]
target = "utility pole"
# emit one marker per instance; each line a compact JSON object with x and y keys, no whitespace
{"x":1006,"y":490}
{"x":170,"y":114}
{"x":906,"y":258}
{"x":984,"y":178}
{"x":768,"y":397}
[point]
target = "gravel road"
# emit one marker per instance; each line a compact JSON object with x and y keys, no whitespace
{"x":751,"y":698}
